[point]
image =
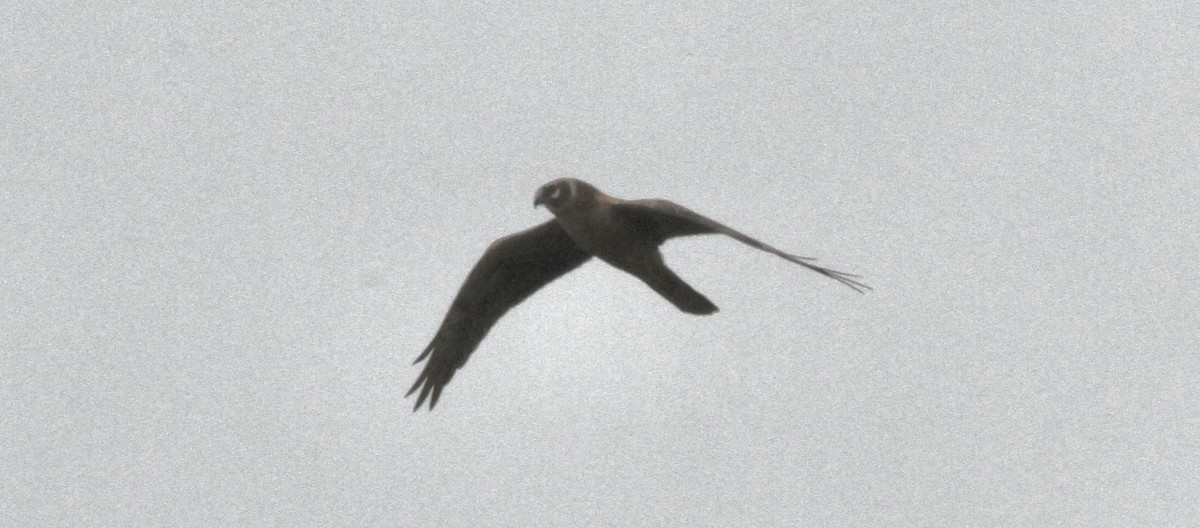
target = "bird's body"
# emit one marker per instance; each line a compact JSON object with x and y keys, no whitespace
{"x":599,"y":225}
{"x":623,"y":233}
{"x":595,"y":231}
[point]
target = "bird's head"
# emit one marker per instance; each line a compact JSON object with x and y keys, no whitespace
{"x":564,"y":194}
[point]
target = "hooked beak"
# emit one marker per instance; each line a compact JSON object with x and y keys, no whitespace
{"x":539,"y":198}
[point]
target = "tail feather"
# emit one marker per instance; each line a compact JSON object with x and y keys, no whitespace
{"x":669,"y":285}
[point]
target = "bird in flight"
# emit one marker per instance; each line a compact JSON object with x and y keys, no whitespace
{"x":587,"y":223}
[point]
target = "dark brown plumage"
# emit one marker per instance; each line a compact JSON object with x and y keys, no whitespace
{"x":587,"y":223}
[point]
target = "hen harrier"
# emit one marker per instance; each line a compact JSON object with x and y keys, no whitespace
{"x":587,"y":223}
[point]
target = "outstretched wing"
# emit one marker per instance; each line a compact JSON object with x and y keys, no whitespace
{"x":510,"y":270}
{"x":663,"y":220}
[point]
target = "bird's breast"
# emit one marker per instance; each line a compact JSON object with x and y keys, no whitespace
{"x":592,"y":231}
{"x":604,"y":236}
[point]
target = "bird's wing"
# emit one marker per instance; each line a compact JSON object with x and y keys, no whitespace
{"x":663,"y":220}
{"x":511,"y":269}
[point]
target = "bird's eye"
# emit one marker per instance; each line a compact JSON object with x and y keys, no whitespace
{"x":555,"y":192}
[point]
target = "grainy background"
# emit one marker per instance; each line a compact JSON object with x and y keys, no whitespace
{"x":227,"y":231}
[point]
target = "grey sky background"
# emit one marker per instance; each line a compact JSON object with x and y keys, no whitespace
{"x":227,"y":231}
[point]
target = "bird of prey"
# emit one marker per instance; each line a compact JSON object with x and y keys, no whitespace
{"x":587,"y":223}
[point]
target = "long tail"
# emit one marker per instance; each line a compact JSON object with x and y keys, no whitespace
{"x":664,"y":281}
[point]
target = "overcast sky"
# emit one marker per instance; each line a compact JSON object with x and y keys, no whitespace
{"x":228,"y":231}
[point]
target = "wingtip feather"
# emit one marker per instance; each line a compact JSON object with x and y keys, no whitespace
{"x":845,"y":278}
{"x":433,"y":398}
{"x":413,"y":389}
{"x":424,"y":394}
{"x":424,"y":354}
